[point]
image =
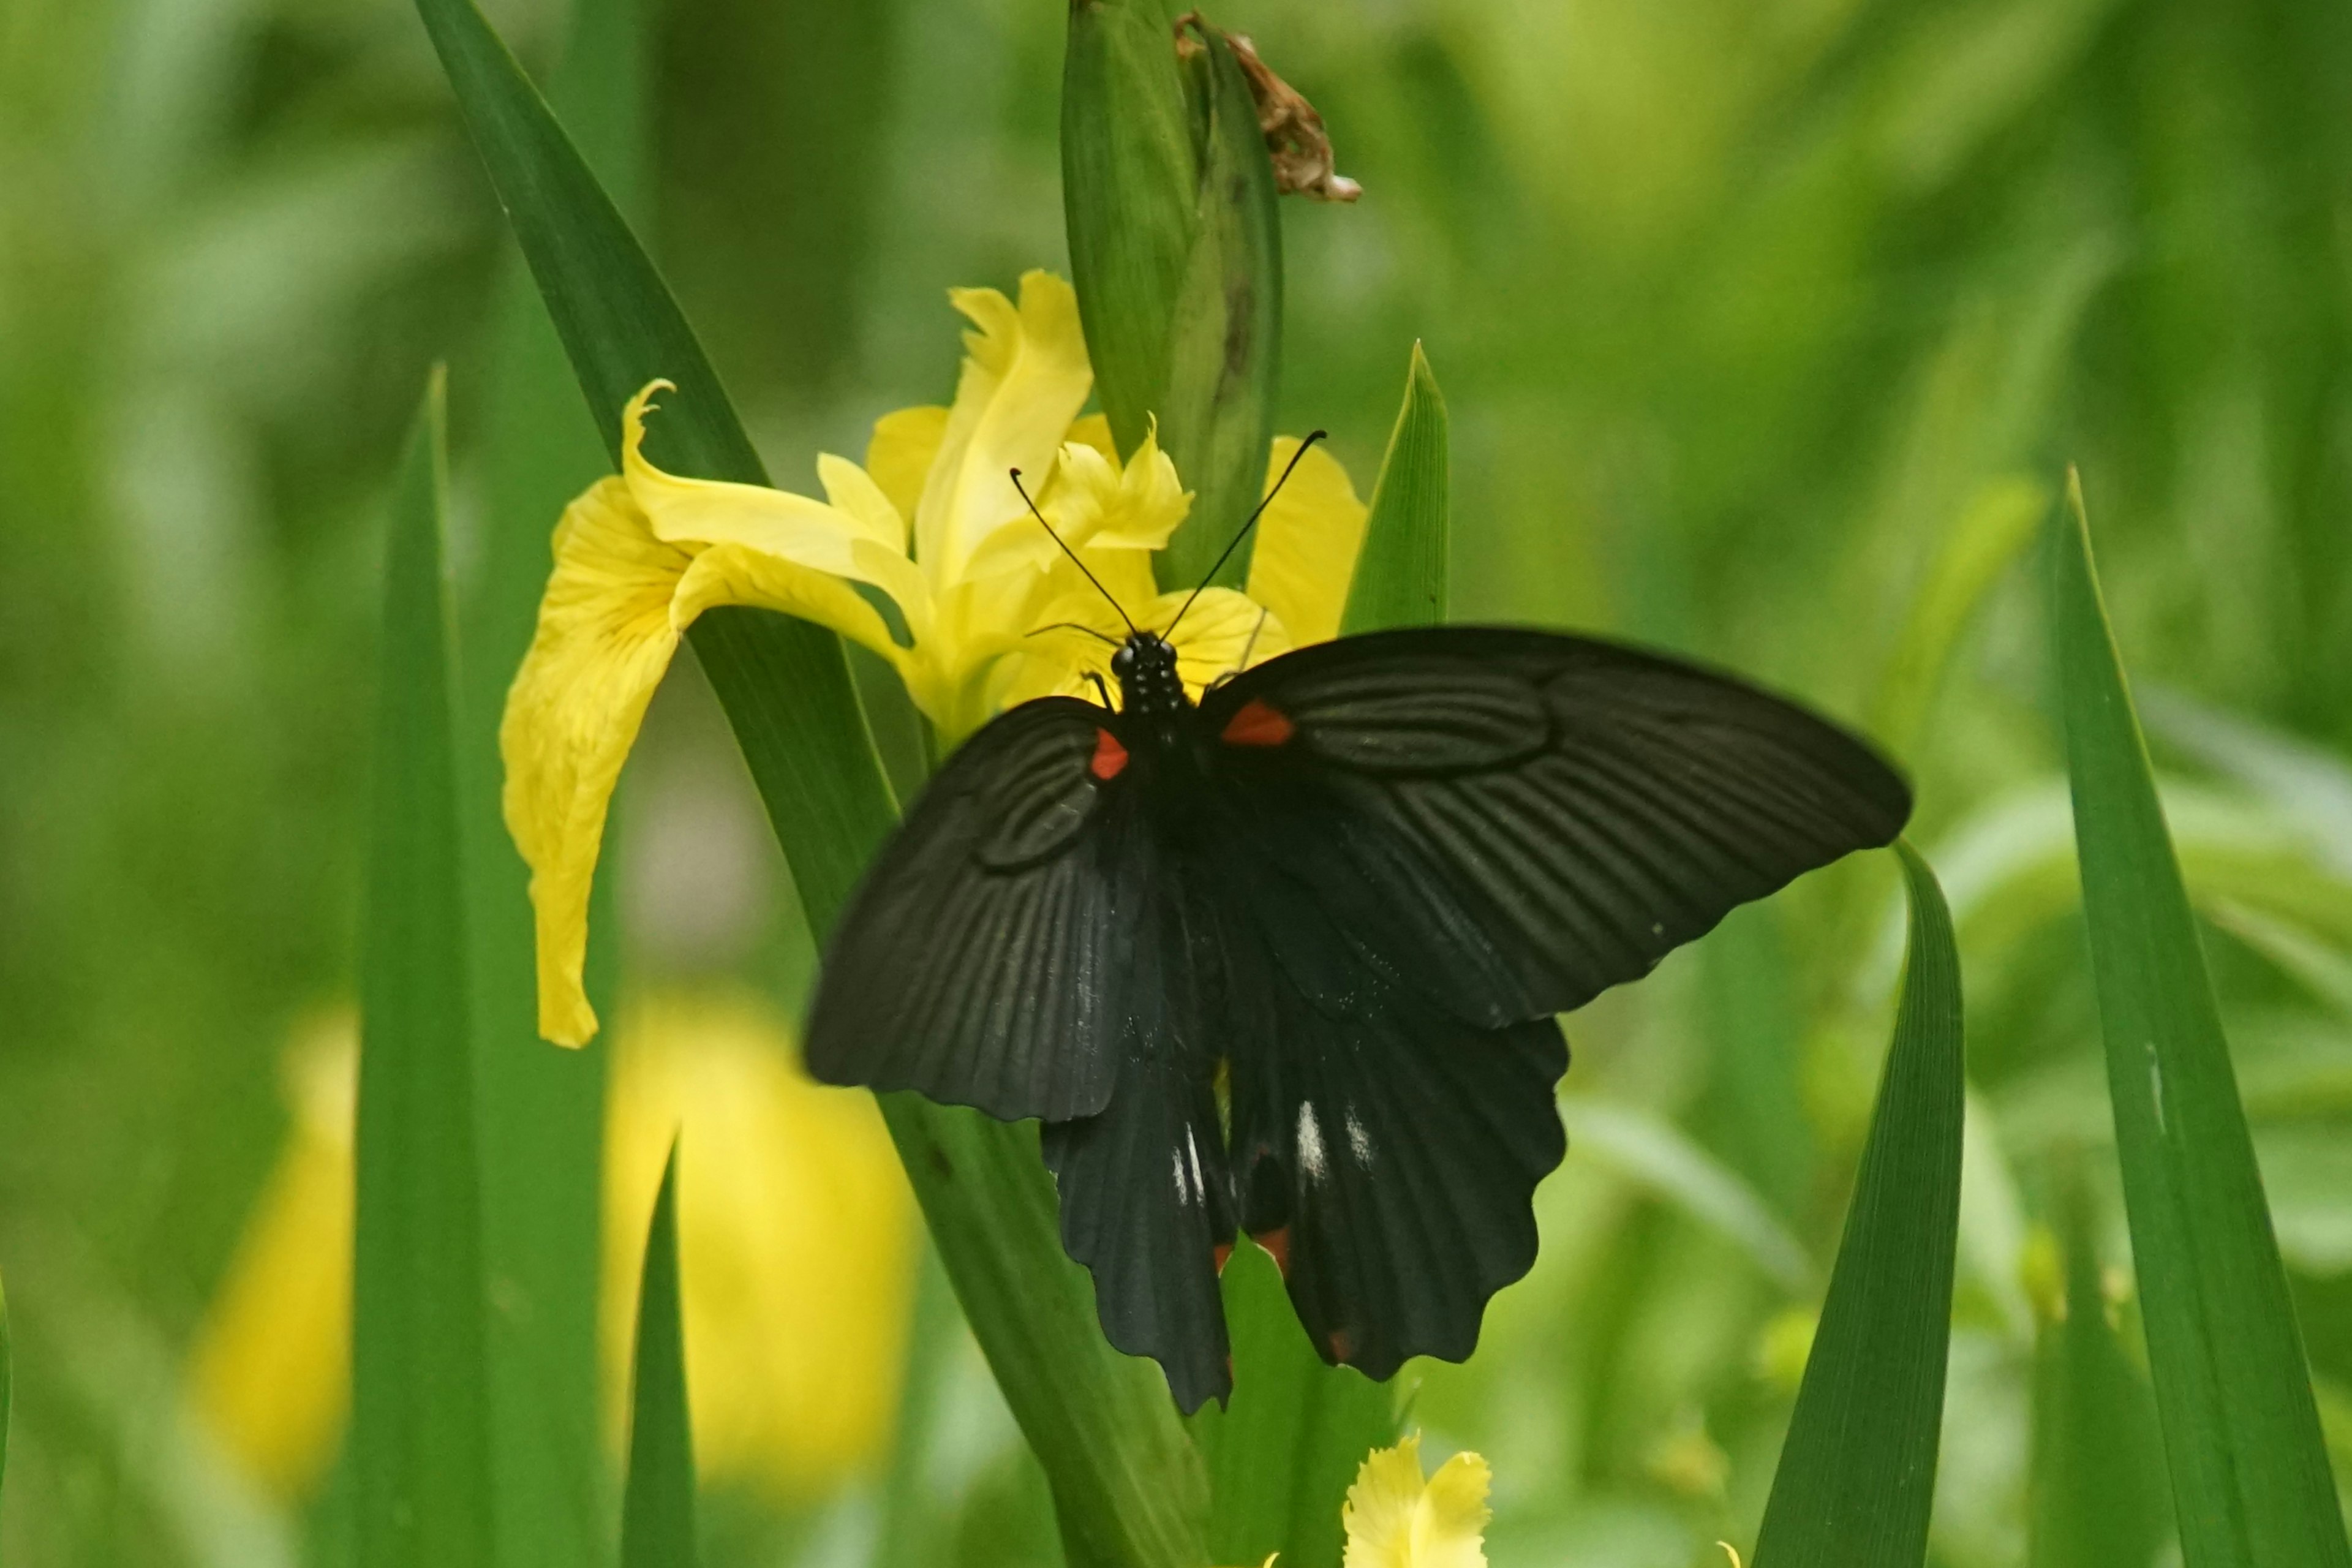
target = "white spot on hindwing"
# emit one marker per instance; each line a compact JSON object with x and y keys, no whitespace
{"x":1193,"y":1153}
{"x":1183,"y":1194}
{"x":1310,"y":1143}
{"x":1359,"y":1142}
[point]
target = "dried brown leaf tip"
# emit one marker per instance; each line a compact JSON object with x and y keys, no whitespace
{"x":1295,"y":137}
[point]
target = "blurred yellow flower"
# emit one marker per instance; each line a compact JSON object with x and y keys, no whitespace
{"x":933,"y":525}
{"x":797,"y":1240}
{"x":271,"y":1368}
{"x":796,"y":1243}
{"x":1394,"y":1519}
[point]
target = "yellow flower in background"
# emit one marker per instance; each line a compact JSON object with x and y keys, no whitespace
{"x":932,"y":525}
{"x":271,"y":1369}
{"x":1396,"y":1518}
{"x":796,"y":1243}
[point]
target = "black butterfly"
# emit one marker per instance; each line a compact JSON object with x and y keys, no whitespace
{"x":1286,"y":964}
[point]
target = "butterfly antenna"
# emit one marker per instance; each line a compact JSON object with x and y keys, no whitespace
{"x":1074,"y":627}
{"x":1073,"y":554}
{"x":1250,"y":522}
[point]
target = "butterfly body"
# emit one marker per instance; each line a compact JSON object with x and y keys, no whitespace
{"x":1284,"y":963}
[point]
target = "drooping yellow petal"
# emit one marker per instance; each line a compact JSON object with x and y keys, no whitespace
{"x":899,"y":455}
{"x":731,"y":575}
{"x":1307,"y":544}
{"x":606,"y":635}
{"x":1024,"y":378}
{"x":1395,"y":1520}
{"x":775,"y":523}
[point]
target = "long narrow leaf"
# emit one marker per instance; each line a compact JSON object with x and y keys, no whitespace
{"x":542,"y":1110}
{"x":1283,"y":1454}
{"x":2250,"y":1475}
{"x":658,"y":1505}
{"x":1400,"y":574}
{"x":1130,"y":178}
{"x":420,"y":1407}
{"x":1127,"y":1482}
{"x":1858,"y":1471}
{"x":2096,"y":1487}
{"x":7,"y":1382}
{"x":1224,"y":345}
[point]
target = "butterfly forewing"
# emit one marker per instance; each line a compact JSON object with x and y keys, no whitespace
{"x":975,"y":962}
{"x":1526,"y":881}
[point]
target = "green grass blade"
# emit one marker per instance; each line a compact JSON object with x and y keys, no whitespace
{"x":1224,"y":345}
{"x":420,"y":1405}
{"x":1283,"y":1454}
{"x":1127,"y":1481}
{"x":782,"y":680}
{"x":2096,"y":1495}
{"x":657,"y":1506}
{"x":1129,"y":174}
{"x":1857,"y":1474}
{"x":542,"y":1109}
{"x":7,"y":1382}
{"x":1401,"y":576}
{"x":2250,"y":1475}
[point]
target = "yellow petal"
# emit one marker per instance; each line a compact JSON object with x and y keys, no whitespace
{"x":714,"y":511}
{"x":731,"y":575}
{"x":1395,"y":1520}
{"x":862,"y":539}
{"x":604,"y":638}
{"x":899,"y":455}
{"x":1093,"y":430}
{"x":1024,"y":378}
{"x":1222,"y":634}
{"x":1307,"y":543}
{"x":269,"y":1373}
{"x":854,"y":491}
{"x":780,"y":1181}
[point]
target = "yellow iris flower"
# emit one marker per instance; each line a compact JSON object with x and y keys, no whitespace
{"x":1396,"y":1518}
{"x":796,"y":1239}
{"x":933,"y":524}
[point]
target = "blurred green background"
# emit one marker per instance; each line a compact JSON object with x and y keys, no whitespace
{"x":1766,"y":330}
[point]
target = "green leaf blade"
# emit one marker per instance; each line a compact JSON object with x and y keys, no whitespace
{"x":2250,"y":1475}
{"x":657,"y":1503}
{"x":1225,"y":346}
{"x":1856,"y":1477}
{"x":1129,"y":174}
{"x":1127,"y":1481}
{"x":2096,"y":1494}
{"x":541,"y":1108}
{"x":1401,"y":576}
{"x":421,"y":1419}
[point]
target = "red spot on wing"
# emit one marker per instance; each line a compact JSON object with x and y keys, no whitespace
{"x":1224,"y":1250}
{"x":1109,"y":756}
{"x":1256,"y":723}
{"x":1341,"y":1345}
{"x":1276,"y":1243}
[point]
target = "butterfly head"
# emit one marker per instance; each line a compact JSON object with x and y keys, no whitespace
{"x":1148,"y":682}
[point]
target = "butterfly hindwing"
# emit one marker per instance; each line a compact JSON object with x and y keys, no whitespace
{"x":974,"y":963}
{"x":1384,"y":1151}
{"x":1146,"y":1192}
